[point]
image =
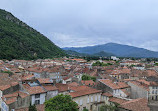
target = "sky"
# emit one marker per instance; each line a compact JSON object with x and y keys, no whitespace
{"x":79,"y":23}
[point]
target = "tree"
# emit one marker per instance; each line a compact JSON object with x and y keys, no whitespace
{"x":61,"y":103}
{"x":32,"y":108}
{"x":109,"y":107}
{"x":85,"y":109}
{"x":88,"y":77}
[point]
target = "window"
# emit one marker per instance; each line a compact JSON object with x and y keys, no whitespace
{"x":81,"y":102}
{"x":88,"y":99}
{"x":153,"y":92}
{"x":37,"y":101}
{"x":96,"y":98}
{"x":153,"y":87}
{"x":152,"y":98}
{"x":37,"y":95}
{"x":91,"y":98}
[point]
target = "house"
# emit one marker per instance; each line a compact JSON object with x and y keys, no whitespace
{"x":37,"y":71}
{"x":79,"y":60}
{"x":78,"y":76}
{"x":123,"y":104}
{"x":117,"y":89}
{"x":114,"y":101}
{"x":15,"y":100}
{"x":129,"y":63}
{"x":121,"y":73}
{"x":63,"y":88}
{"x":140,"y":104}
{"x":37,"y":94}
{"x":40,"y":107}
{"x":105,"y":97}
{"x":114,"y":58}
{"x":138,"y":90}
{"x":8,"y":89}
{"x":45,"y":81}
{"x":86,"y":97}
{"x":90,"y":83}
{"x":67,"y":80}
{"x":144,"y":89}
{"x":51,"y":91}
{"x":73,"y":84}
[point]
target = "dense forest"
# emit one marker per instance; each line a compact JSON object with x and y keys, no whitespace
{"x":19,"y":41}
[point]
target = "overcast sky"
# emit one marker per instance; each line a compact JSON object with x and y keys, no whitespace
{"x":89,"y":22}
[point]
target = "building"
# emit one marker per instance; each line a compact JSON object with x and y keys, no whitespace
{"x":86,"y":97}
{"x":117,"y":89}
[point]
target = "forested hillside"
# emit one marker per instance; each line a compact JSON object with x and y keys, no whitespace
{"x":19,"y":41}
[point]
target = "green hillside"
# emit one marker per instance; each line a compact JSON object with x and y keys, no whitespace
{"x":19,"y":41}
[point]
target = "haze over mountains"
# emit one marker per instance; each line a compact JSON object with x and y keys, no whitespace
{"x":115,"y":49}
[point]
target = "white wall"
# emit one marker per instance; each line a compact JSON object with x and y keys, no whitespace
{"x":87,"y":100}
{"x":0,"y":98}
{"x":119,"y":93}
{"x":4,"y":106}
{"x":42,"y":98}
{"x":51,"y":94}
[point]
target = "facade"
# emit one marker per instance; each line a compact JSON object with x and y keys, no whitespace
{"x":117,"y":89}
{"x":138,"y":90}
{"x":15,"y":100}
{"x":7,"y":89}
{"x":87,"y":97}
{"x":51,"y":91}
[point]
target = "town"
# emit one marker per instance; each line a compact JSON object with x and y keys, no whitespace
{"x":124,"y":84}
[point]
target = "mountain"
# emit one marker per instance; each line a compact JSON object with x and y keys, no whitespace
{"x":116,"y":49}
{"x":103,"y":54}
{"x":74,"y":53}
{"x":20,"y":41}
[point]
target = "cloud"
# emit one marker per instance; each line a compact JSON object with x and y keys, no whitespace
{"x":89,"y":22}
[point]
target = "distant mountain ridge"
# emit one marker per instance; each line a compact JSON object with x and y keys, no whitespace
{"x":99,"y":54}
{"x":20,"y":41}
{"x":116,"y":49}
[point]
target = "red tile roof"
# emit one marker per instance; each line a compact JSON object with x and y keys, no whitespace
{"x":16,"y":94}
{"x":84,"y":92}
{"x":125,"y":91}
{"x":45,"y":80}
{"x":140,"y":104}
{"x":88,"y":82}
{"x":50,"y":87}
{"x":73,"y":84}
{"x":35,"y":90}
{"x":111,"y":84}
{"x":117,"y":100}
{"x":141,"y":85}
{"x":62,"y":87}
{"x":27,"y":77}
{"x":107,"y":94}
{"x":80,"y":88}
{"x":40,"y":107}
{"x":4,"y":87}
{"x":11,"y":98}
